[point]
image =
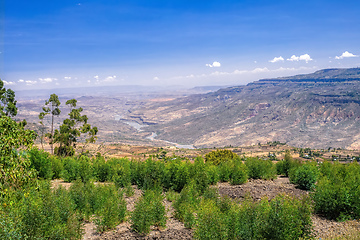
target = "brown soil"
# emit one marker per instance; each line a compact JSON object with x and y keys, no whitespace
{"x":259,"y":188}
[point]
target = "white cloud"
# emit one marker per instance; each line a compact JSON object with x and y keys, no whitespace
{"x":345,"y":54}
{"x":8,"y":83}
{"x":67,"y":78}
{"x":305,"y":57}
{"x":28,"y":82}
{"x":277,"y":59}
{"x":96,"y":77}
{"x":47,"y":80}
{"x":214,"y":64}
{"x":110,"y":79}
{"x":21,"y":81}
{"x":156,"y":79}
{"x":260,"y":70}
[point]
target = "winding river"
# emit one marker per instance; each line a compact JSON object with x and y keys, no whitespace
{"x":153,"y":135}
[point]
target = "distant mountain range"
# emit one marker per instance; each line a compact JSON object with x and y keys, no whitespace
{"x":318,"y":110}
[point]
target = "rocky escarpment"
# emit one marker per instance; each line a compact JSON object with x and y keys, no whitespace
{"x":317,"y":110}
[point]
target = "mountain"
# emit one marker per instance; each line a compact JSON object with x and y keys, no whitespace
{"x":317,"y":110}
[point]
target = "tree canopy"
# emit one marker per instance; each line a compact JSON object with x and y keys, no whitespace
{"x":14,"y":167}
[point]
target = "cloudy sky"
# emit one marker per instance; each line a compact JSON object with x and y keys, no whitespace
{"x":76,"y":43}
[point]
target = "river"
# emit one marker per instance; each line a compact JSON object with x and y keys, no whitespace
{"x":153,"y":135}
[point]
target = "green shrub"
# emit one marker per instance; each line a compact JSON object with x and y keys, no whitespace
{"x":85,"y":168}
{"x":101,"y":169}
{"x":284,"y":217}
{"x":211,"y":222}
{"x":260,"y":169}
{"x":49,"y":214}
{"x":239,"y":173}
{"x":149,"y":210}
{"x":120,"y":172}
{"x":186,"y":205}
{"x":148,"y":174}
{"x":304,"y":176}
{"x":289,"y":218}
{"x":225,"y":170}
{"x":112,"y":210}
{"x":212,"y":173}
{"x":71,"y":169}
{"x":219,"y":156}
{"x":283,"y":167}
{"x":41,"y":162}
{"x":336,"y":194}
{"x":199,"y":175}
{"x":172,"y":196}
{"x":176,"y":174}
{"x":248,"y":220}
{"x":56,"y":166}
{"x":84,"y":197}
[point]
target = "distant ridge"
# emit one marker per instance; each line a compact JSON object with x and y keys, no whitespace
{"x":324,"y":75}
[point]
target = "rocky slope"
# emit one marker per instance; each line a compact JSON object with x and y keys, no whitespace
{"x":318,"y":110}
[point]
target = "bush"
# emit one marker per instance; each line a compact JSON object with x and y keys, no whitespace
{"x":239,"y":173}
{"x":186,"y":205}
{"x":219,"y":156}
{"x":211,"y":222}
{"x":304,"y":176}
{"x":337,"y":192}
{"x":101,"y":169}
{"x":199,"y":175}
{"x":148,"y":174}
{"x":41,"y":162}
{"x":289,"y":218}
{"x":49,"y":214}
{"x":283,"y":167}
{"x":56,"y":166}
{"x":85,"y":168}
{"x":212,"y":173}
{"x":120,"y":172}
{"x":176,"y":174}
{"x":260,"y":169}
{"x":148,"y":211}
{"x":84,"y":197}
{"x":225,"y":170}
{"x":71,"y":169}
{"x":112,"y":210}
{"x":248,"y":220}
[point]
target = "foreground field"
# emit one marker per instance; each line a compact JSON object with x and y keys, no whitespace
{"x":217,"y":195}
{"x":322,"y":227}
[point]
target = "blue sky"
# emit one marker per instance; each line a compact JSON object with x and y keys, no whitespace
{"x":66,"y":43}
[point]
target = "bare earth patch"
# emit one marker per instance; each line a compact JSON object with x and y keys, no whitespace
{"x":259,"y":188}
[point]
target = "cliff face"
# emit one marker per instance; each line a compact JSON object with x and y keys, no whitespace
{"x":317,"y":110}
